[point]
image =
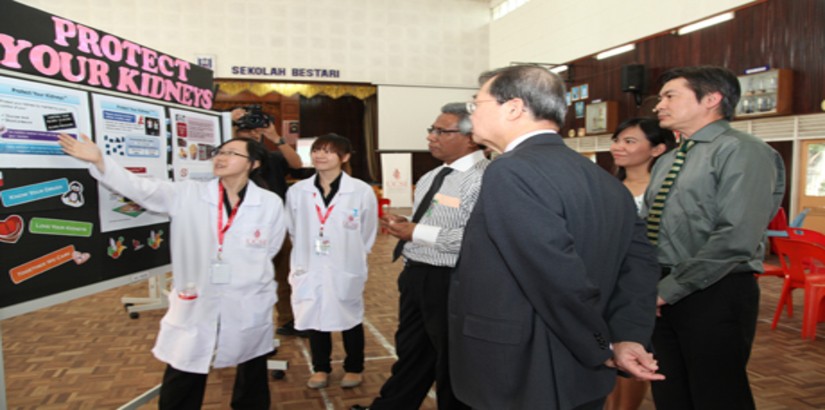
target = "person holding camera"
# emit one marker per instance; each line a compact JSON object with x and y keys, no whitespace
{"x":252,"y":123}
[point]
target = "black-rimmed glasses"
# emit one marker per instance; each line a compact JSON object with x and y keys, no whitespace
{"x":438,"y":131}
{"x":224,"y":153}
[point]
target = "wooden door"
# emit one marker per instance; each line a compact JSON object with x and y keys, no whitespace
{"x":811,"y":192}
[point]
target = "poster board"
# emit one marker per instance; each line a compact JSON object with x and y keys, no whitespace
{"x":397,"y":185}
{"x":62,"y":235}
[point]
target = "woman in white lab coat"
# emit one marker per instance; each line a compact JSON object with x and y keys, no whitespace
{"x":224,"y":235}
{"x":332,"y":220}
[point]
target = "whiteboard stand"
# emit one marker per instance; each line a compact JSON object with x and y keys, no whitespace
{"x":144,"y":398}
{"x":2,"y":375}
{"x":277,"y":367}
{"x":157,"y":299}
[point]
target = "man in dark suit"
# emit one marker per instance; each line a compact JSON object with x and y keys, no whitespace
{"x":556,"y":282}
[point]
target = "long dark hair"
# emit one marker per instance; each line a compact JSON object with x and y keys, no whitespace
{"x":341,"y":146}
{"x":653,"y":132}
{"x":256,"y":152}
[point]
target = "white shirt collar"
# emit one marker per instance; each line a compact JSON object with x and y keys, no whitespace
{"x":466,"y":162}
{"x":516,"y":142}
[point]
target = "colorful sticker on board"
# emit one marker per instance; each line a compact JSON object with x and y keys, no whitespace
{"x":11,"y":229}
{"x":34,"y":192}
{"x":130,"y":208}
{"x":80,"y":257}
{"x":136,"y":245}
{"x":60,"y":227}
{"x":155,"y":239}
{"x":116,"y":248}
{"x":74,"y":196}
{"x":42,"y":264}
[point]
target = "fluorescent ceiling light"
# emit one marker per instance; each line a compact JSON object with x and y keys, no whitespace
{"x":616,"y":51}
{"x":690,"y":28}
{"x":559,"y":69}
{"x":506,"y":7}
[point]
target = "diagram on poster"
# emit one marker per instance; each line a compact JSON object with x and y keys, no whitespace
{"x":31,"y":117}
{"x":130,"y":132}
{"x":194,"y":138}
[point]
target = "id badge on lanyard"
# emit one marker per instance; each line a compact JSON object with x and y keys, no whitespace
{"x":322,"y":244}
{"x":219,"y":271}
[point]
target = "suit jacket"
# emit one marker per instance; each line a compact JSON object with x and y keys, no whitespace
{"x":554,"y":267}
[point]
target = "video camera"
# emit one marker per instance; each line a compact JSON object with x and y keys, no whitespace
{"x":254,"y":118}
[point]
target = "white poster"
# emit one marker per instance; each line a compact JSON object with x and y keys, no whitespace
{"x":132,"y":134}
{"x":31,"y":117}
{"x":396,"y":170}
{"x":194,"y":138}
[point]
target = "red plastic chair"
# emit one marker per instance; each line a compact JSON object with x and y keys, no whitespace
{"x":806,"y":235}
{"x":814,"y":309}
{"x":778,"y":223}
{"x":804,"y":265}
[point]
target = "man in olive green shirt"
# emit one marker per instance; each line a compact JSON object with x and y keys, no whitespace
{"x":710,"y":236}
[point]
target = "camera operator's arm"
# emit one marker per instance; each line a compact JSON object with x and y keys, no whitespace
{"x":236,"y":114}
{"x":292,"y":158}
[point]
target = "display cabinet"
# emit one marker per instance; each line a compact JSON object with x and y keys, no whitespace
{"x":601,"y":117}
{"x":765,"y":93}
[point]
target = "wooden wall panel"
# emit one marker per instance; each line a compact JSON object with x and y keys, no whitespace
{"x":779,"y":33}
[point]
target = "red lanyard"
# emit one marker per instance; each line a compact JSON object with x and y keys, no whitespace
{"x":322,"y":218}
{"x":221,"y":227}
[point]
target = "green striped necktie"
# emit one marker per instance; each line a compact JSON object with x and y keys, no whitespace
{"x":654,"y":216}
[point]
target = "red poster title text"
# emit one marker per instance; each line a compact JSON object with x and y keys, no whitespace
{"x":140,"y":70}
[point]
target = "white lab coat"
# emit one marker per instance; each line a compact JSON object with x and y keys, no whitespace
{"x":328,"y":290}
{"x":189,"y":332}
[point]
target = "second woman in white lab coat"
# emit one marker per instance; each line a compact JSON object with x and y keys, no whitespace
{"x":332,"y":221}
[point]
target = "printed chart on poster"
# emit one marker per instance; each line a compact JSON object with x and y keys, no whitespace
{"x":31,"y":117}
{"x":131,"y":133}
{"x":194,"y":138}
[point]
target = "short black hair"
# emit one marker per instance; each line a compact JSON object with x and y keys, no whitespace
{"x":256,"y":152}
{"x":704,"y":80}
{"x":338,"y":144}
{"x":333,"y":142}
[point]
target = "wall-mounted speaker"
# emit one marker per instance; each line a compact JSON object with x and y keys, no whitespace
{"x":634,"y":78}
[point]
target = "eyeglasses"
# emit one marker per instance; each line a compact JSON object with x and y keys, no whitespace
{"x":438,"y":131}
{"x":223,"y":153}
{"x":473,"y":105}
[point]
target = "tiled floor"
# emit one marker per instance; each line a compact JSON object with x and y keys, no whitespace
{"x":87,"y":354}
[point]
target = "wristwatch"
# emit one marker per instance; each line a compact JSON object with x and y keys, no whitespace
{"x":281,"y":141}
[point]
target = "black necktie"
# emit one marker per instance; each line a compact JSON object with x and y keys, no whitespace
{"x":423,"y":206}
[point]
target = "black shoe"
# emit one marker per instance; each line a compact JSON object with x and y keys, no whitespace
{"x":359,"y":407}
{"x":288,"y":329}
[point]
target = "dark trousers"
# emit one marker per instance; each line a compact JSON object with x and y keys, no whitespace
{"x":320,"y":343}
{"x":420,"y":342}
{"x":284,"y":304}
{"x":703,"y":343}
{"x":184,"y":391}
